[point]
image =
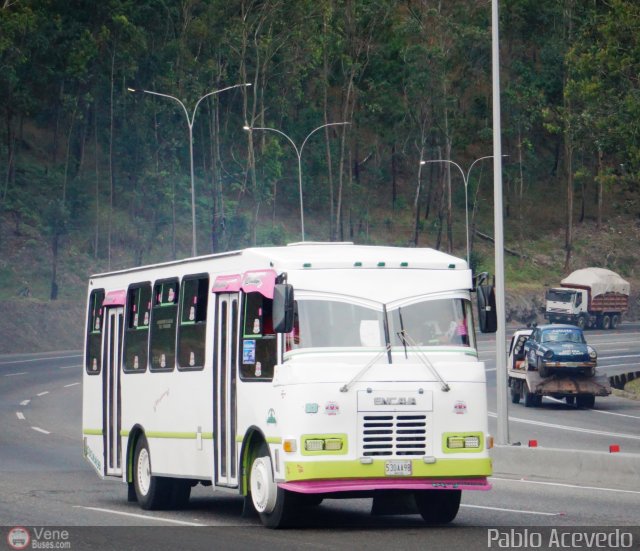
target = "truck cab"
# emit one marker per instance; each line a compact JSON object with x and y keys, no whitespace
{"x":567,"y":306}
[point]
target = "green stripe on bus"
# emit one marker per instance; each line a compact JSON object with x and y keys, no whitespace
{"x":175,"y":435}
{"x":92,"y":432}
{"x":270,"y":439}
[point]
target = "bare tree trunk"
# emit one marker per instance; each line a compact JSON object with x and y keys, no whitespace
{"x":111,"y":176}
{"x":448,"y":169}
{"x":394,"y":189}
{"x":568,"y":140}
{"x":325,"y":106}
{"x":96,"y":237}
{"x":10,"y":154}
{"x":568,"y":245}
{"x":600,"y":184}
{"x":54,"y":270}
{"x":520,"y":191}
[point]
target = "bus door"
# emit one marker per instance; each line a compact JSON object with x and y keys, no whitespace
{"x":111,"y":398}
{"x":225,"y":389}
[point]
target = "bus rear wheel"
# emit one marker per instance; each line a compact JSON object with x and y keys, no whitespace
{"x":438,"y":506}
{"x":276,"y":507}
{"x":152,"y":492}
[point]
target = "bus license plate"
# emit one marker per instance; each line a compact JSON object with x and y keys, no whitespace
{"x":397,"y":468}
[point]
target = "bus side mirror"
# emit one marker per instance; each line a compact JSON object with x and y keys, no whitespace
{"x":488,"y":317}
{"x":283,"y":308}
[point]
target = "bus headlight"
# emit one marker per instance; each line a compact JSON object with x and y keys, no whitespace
{"x":317,"y":444}
{"x":469,"y":442}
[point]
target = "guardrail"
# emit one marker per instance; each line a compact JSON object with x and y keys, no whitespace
{"x":587,"y":468}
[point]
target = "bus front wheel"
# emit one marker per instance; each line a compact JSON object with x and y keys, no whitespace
{"x":438,"y":506}
{"x":152,"y":492}
{"x":275,"y":506}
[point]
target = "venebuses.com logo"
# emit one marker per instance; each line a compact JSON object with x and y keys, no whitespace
{"x":18,"y":538}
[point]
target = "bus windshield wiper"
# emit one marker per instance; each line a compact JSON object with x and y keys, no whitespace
{"x":406,"y":339}
{"x":347,"y":386}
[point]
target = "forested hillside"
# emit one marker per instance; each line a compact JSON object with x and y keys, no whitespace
{"x":95,"y":172}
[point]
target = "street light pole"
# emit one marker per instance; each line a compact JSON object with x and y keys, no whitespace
{"x":298,"y":154}
{"x":190,"y":119}
{"x":465,"y":179}
{"x":502,"y":405}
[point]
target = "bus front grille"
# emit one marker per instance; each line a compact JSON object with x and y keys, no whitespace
{"x":393,"y":434}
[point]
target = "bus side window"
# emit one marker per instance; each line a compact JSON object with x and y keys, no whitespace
{"x":95,"y":320}
{"x":164,"y":314}
{"x":136,"y":337}
{"x":193,"y":322}
{"x":259,"y":343}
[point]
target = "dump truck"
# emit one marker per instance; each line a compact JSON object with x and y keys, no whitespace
{"x":556,"y":361}
{"x":589,"y":298}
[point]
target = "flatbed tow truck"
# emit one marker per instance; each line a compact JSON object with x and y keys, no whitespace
{"x":526,"y":382}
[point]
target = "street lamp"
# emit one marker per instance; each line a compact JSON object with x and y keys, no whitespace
{"x":465,"y":179}
{"x":299,"y":154}
{"x":190,"y":120}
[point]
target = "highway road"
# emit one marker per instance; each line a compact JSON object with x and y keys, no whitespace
{"x":614,"y":420}
{"x":45,"y":481}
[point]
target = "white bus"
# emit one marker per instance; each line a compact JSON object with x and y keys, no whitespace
{"x":289,"y":375}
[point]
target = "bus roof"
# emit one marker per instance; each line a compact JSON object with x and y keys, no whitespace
{"x":325,"y":255}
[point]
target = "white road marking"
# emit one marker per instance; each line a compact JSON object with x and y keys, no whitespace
{"x":20,"y":415}
{"x":25,"y":402}
{"x":72,"y":384}
{"x":563,"y":485}
{"x":601,"y":367}
{"x":569,"y":428}
{"x":14,"y":374}
{"x":41,"y":430}
{"x":70,"y":366}
{"x":137,"y":515}
{"x":616,"y":350}
{"x":618,"y":357}
{"x":42,"y":393}
{"x":597,"y":410}
{"x":512,"y":510}
{"x":40,"y":359}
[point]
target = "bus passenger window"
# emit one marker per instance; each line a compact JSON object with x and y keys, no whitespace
{"x":193,"y":322}
{"x":136,"y":336}
{"x":95,"y":320}
{"x":163,"y":326}
{"x":259,"y":343}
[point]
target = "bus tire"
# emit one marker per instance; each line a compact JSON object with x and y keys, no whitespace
{"x":180,"y":493}
{"x":438,"y":506}
{"x":275,"y":506}
{"x":152,"y":492}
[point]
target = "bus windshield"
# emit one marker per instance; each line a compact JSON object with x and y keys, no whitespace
{"x":335,"y":323}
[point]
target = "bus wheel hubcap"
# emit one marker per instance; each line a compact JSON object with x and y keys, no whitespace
{"x":263,"y":489}
{"x":144,"y":471}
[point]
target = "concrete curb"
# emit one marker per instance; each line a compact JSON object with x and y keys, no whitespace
{"x":614,"y":470}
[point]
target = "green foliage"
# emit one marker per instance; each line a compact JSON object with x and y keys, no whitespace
{"x":80,"y":154}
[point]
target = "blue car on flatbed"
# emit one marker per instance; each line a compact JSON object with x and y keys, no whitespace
{"x":559,"y":348}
